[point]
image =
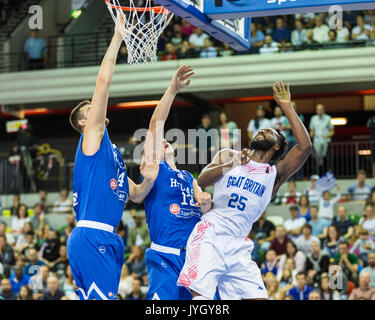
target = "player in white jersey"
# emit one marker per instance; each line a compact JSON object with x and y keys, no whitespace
{"x":218,"y":250}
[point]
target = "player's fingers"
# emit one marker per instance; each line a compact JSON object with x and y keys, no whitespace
{"x":185,"y":76}
{"x":187,"y":83}
{"x":287,"y":87}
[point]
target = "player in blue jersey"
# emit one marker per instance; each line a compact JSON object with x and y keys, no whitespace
{"x":173,"y":206}
{"x":100,"y":191}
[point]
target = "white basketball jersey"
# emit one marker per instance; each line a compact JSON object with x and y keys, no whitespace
{"x":240,"y":197}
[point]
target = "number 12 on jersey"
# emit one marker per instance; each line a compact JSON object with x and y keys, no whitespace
{"x":237,"y":202}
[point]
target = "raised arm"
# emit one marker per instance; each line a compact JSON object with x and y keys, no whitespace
{"x":223,"y":161}
{"x":96,"y":118}
{"x":296,"y":157}
{"x":154,"y":138}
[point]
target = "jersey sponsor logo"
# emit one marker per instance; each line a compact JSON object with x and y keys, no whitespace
{"x":102,"y":249}
{"x":174,"y":208}
{"x":113,"y":184}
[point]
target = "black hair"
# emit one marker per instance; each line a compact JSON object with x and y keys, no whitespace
{"x":282,"y":144}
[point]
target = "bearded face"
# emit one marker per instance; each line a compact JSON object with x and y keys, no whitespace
{"x":262,"y":142}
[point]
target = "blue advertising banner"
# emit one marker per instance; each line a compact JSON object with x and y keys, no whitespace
{"x":230,"y":9}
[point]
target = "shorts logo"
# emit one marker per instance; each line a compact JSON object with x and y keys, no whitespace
{"x":102,"y":249}
{"x":113,"y":184}
{"x":163,"y":264}
{"x":110,"y":294}
{"x":174,"y":208}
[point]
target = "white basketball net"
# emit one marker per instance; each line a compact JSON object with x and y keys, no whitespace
{"x":142,"y":29}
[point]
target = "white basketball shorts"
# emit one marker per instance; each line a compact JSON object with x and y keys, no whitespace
{"x":223,"y":262}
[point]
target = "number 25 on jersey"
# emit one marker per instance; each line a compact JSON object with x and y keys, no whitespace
{"x":237,"y":202}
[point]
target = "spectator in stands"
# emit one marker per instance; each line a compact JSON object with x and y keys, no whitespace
{"x":30,"y":243}
{"x":270,"y":46}
{"x":185,"y":51}
{"x":53,"y":292}
{"x":43,"y":195}
{"x":136,"y":261}
{"x":332,"y":36}
{"x":364,"y":245}
{"x":315,"y":295}
{"x":60,"y":265}
{"x":35,"y":49}
{"x":67,"y":229}
{"x":367,"y":222}
{"x":20,"y":219}
{"x":343,"y":33}
{"x":25,"y":293}
{"x":32,"y":267}
{"x":304,"y":210}
{"x":326,"y":204}
{"x":343,"y":224}
{"x":226,"y":51}
{"x":38,"y":219}
{"x":278,"y":119}
{"x":50,"y":248}
{"x":320,"y":30}
{"x":325,"y":289}
{"x":69,"y":286}
{"x":361,"y":31}
{"x":321,"y":131}
{"x":371,"y":198}
{"x":371,"y":124}
{"x":312,"y":192}
{"x":208,"y":51}
{"x":122,"y":55}
{"x":280,"y":32}
{"x":18,"y":278}
{"x":310,"y":43}
{"x":273,"y":288}
{"x":264,"y":231}
{"x":186,"y":28}
{"x":22,"y":237}
{"x":347,"y":261}
{"x":6,"y":255}
{"x":170,"y":52}
{"x":350,"y":18}
{"x":64,"y":204}
{"x":279,"y":243}
{"x":287,"y":274}
{"x":177,"y":37}
{"x":43,"y":234}
{"x":298,"y":36}
{"x":3,"y":232}
{"x":285,"y":46}
{"x":292,"y":195}
{"x":197,"y":38}
{"x":136,"y":293}
{"x":228,"y":132}
{"x":259,"y":122}
{"x":364,"y":292}
{"x":271,"y":264}
{"x":296,"y":255}
{"x":16,"y":203}
{"x":139,"y":235}
{"x":317,"y":262}
{"x":332,"y":241}
{"x":294,"y":225}
{"x":257,"y":39}
{"x":319,"y":226}
{"x":125,"y":286}
{"x":303,"y":242}
{"x":301,"y":291}
{"x":370,"y":269}
{"x":359,"y":190}
{"x":6,"y":290}
{"x":40,"y":279}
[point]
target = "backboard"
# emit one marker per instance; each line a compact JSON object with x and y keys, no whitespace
{"x":231,"y":9}
{"x":234,"y":32}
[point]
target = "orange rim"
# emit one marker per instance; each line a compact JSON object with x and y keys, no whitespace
{"x":156,"y":9}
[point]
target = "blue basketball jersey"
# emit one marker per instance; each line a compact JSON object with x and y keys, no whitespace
{"x":100,"y":184}
{"x":170,"y":208}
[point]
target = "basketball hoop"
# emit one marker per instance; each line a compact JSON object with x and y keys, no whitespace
{"x":142,"y":28}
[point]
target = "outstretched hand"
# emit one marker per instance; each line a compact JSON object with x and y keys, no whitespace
{"x":149,"y":170}
{"x":281,"y":94}
{"x":120,"y":28}
{"x":181,"y":78}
